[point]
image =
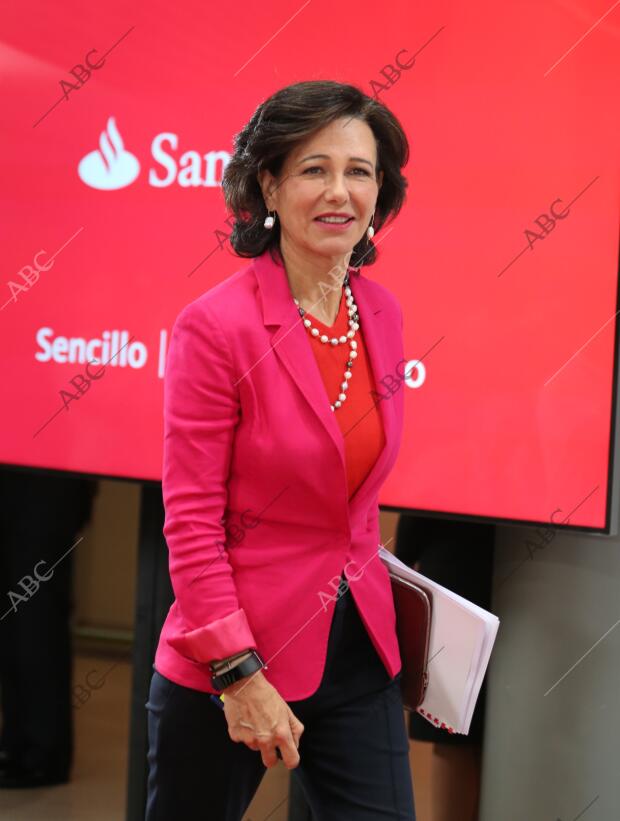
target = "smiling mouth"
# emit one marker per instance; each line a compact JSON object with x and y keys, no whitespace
{"x":334,"y":220}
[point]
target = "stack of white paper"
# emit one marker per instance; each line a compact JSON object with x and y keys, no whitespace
{"x":462,"y":637}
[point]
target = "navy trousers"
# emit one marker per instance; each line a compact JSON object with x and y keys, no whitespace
{"x":354,"y":751}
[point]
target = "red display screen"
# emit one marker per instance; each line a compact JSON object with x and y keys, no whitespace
{"x":118,"y":121}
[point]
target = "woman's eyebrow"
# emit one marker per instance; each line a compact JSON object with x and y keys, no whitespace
{"x":326,"y":157}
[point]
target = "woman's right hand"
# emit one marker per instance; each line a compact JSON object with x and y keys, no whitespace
{"x":258,"y":716}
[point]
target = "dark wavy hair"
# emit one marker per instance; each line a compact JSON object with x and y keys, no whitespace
{"x":278,"y":125}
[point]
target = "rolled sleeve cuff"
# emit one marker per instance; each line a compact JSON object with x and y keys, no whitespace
{"x":217,"y":640}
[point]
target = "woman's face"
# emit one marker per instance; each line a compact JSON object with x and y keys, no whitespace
{"x":334,"y":171}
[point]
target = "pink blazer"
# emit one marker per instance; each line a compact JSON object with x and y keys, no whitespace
{"x":258,"y":521}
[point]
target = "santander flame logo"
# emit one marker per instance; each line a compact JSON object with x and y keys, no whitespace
{"x":111,"y":166}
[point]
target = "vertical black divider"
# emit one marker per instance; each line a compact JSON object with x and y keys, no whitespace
{"x":153,"y":599}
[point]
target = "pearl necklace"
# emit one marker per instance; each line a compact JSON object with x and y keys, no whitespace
{"x":342,"y":340}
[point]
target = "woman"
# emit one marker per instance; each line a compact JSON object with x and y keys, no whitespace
{"x":280,"y":427}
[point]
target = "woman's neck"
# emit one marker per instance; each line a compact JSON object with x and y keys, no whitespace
{"x":316,"y":282}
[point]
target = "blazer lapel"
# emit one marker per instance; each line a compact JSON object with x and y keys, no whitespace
{"x":289,"y":343}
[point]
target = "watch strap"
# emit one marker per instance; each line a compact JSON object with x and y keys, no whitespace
{"x":245,"y":668}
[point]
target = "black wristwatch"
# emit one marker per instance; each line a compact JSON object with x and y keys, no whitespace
{"x":245,"y":668}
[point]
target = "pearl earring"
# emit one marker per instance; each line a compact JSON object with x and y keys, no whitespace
{"x":370,"y":231}
{"x":269,"y":221}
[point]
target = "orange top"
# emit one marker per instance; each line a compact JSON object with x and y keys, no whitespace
{"x":359,"y":418}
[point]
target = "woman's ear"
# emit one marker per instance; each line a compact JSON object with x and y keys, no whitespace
{"x":264,"y":178}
